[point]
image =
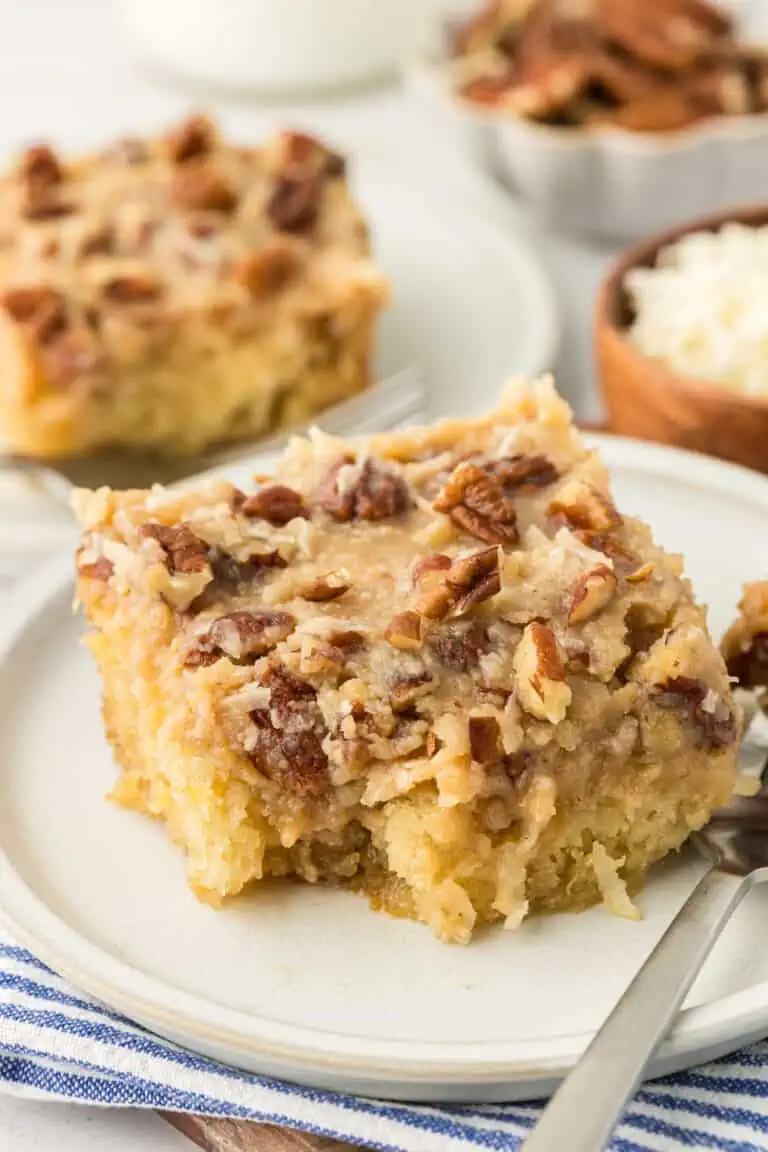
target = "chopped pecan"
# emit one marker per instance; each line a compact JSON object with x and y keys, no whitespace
{"x":132,"y":289}
{"x":39,"y":308}
{"x":294,"y":204}
{"x":289,"y":742}
{"x":716,"y":722}
{"x":469,"y":581}
{"x":100,"y":242}
{"x":324,"y":588}
{"x":184,"y":551}
{"x":199,"y":187}
{"x":45,"y":202}
{"x":299,"y":156}
{"x":437,"y":562}
{"x":409,"y":688}
{"x":276,"y":503}
{"x":484,"y":739}
{"x":248,"y":635}
{"x":40,"y":166}
{"x":367,"y":491}
{"x":585,"y":508}
{"x":236,"y":575}
{"x":540,"y":673}
{"x":267,"y":270}
{"x":671,"y":35}
{"x":459,"y":645}
{"x":475,"y":577}
{"x":100,"y":569}
{"x":194,"y":138}
{"x":476,"y":500}
{"x":197,"y":658}
{"x":526,"y":473}
{"x":404,"y":631}
{"x":594,"y":590}
{"x":348,"y":640}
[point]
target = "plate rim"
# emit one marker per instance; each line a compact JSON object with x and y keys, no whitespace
{"x":727,"y":1020}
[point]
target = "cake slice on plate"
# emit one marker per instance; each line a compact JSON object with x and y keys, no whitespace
{"x":171,"y":293}
{"x":440,"y":668}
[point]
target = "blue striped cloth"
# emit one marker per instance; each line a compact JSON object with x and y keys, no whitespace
{"x":57,"y":1044}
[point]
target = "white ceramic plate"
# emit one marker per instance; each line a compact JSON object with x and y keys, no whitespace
{"x":309,"y":983}
{"x":472,"y":305}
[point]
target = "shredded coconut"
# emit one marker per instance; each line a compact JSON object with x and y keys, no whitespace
{"x":612,"y":888}
{"x":702,"y":309}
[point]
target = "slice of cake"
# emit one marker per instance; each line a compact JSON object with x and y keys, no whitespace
{"x":745,"y":644}
{"x":168,"y":294}
{"x":440,"y":668}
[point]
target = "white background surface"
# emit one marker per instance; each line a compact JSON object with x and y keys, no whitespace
{"x":65,"y":74}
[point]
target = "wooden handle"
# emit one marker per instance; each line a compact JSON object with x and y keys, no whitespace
{"x":243,"y":1136}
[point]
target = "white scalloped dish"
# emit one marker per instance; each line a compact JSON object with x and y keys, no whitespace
{"x":606,"y":180}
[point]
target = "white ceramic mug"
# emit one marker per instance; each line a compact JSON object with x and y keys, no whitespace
{"x":278,"y":45}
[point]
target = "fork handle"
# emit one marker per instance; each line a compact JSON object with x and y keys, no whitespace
{"x":585,"y":1110}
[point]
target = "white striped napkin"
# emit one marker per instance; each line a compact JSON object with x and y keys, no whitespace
{"x":57,"y":1044}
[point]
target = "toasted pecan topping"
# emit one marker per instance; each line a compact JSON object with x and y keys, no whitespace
{"x":199,"y":187}
{"x":41,"y":309}
{"x":276,"y":503}
{"x":132,"y":289}
{"x":475,"y":577}
{"x":367,"y":491}
{"x":716,"y":722}
{"x":484,"y":739}
{"x":404,"y":631}
{"x":294,"y":204}
{"x":409,"y":688}
{"x":480,"y":497}
{"x":289,"y":741}
{"x":459,"y":644}
{"x":540,"y":674}
{"x":194,"y":138}
{"x":585,"y":508}
{"x":268,"y":270}
{"x":40,"y":166}
{"x":100,"y":569}
{"x":300,"y":156}
{"x":248,"y":635}
{"x":437,"y":562}
{"x":236,"y":575}
{"x":184,"y":551}
{"x":324,"y":588}
{"x":593,"y":591}
{"x":470,"y":580}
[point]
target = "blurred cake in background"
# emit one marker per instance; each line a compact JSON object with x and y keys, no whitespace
{"x":167,"y":294}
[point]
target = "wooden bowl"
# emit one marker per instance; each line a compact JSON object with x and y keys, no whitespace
{"x":650,"y":401}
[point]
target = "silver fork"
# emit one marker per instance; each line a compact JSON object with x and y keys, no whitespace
{"x":586,"y":1109}
{"x":392,"y":403}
